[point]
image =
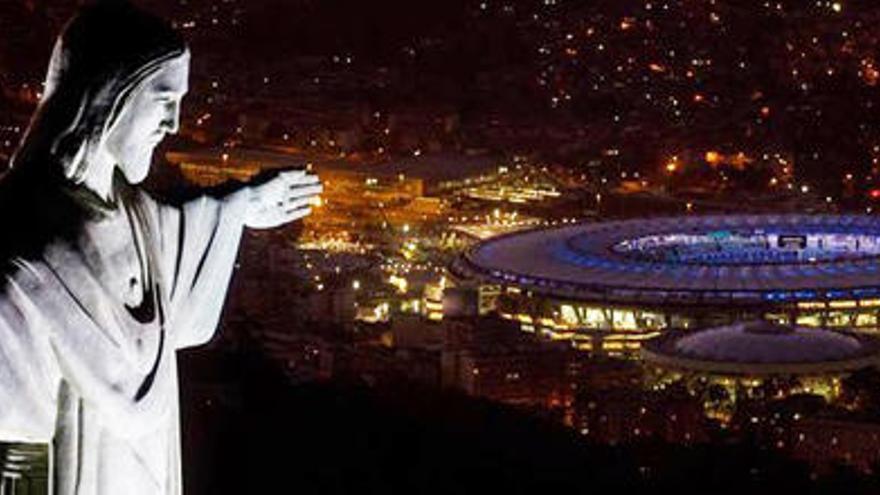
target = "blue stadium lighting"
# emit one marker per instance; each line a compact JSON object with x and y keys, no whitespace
{"x":693,"y":259}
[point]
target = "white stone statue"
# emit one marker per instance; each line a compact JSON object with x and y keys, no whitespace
{"x":102,"y":284}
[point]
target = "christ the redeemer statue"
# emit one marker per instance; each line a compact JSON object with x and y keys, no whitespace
{"x":101,"y":285}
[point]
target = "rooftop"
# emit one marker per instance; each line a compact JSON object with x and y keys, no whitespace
{"x":748,"y":259}
{"x":762,"y":347}
{"x":431,"y":167}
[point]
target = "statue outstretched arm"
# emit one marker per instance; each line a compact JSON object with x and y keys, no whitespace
{"x":198,"y":250}
{"x":205,"y":239}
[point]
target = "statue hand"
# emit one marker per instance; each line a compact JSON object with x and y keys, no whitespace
{"x":283,"y":199}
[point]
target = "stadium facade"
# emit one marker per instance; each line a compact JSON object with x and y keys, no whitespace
{"x":610,"y":286}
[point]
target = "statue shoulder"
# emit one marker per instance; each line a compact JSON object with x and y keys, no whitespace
{"x":35,"y":214}
{"x":23,"y":211}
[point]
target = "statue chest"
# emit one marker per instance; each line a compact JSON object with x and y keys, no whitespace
{"x":118,"y":259}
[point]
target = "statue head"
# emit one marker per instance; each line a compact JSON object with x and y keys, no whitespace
{"x":112,"y":92}
{"x":149,"y":112}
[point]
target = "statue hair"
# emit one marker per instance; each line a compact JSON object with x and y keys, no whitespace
{"x":99,"y":61}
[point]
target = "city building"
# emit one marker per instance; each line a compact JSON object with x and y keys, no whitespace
{"x":490,"y":358}
{"x":359,"y":193}
{"x":630,"y":415}
{"x":825,"y":443}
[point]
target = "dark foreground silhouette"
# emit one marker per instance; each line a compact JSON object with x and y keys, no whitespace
{"x":248,"y":431}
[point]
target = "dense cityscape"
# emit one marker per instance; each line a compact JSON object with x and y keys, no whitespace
{"x":562,"y":245}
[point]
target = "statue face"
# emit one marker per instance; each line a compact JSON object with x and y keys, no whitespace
{"x":151,"y":112}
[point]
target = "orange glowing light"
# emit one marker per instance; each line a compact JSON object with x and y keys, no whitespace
{"x":656,"y":67}
{"x":698,"y":98}
{"x":740,"y":161}
{"x":765,"y":111}
{"x":875,"y":193}
{"x":870,"y":74}
{"x":713,"y":157}
{"x":672,"y":166}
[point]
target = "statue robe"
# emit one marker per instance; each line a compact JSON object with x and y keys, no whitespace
{"x":88,"y":338}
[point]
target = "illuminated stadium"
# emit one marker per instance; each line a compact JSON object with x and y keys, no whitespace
{"x":608,"y":286}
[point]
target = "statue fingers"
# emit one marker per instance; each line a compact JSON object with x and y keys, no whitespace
{"x":292,"y":177}
{"x":304,"y":191}
{"x":303,"y":180}
{"x":301,"y":202}
{"x":296,"y":214}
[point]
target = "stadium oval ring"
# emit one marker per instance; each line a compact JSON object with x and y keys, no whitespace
{"x":712,"y":259}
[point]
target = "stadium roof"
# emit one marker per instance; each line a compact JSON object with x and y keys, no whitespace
{"x":639,"y":260}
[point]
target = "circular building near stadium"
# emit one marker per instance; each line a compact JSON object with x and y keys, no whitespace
{"x":608,"y":286}
{"x":761,"y":349}
{"x":757,"y":359}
